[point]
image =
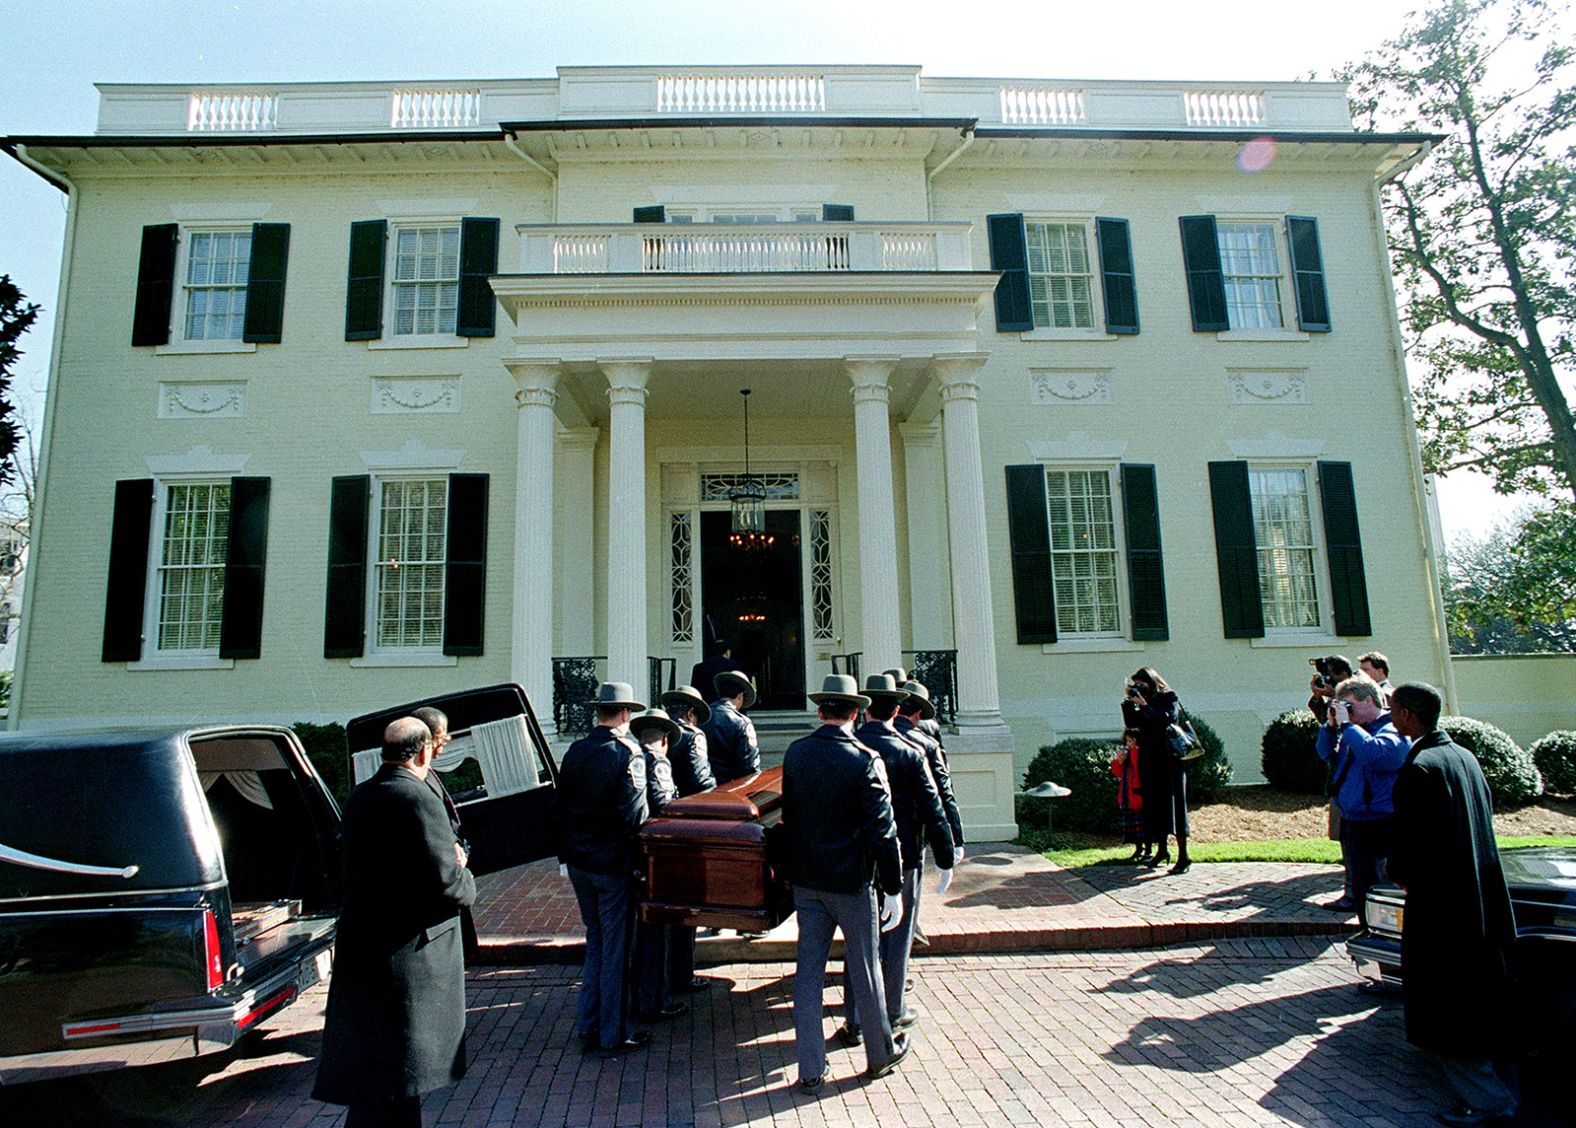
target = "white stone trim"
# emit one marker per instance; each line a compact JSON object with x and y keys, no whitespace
{"x":414,"y":455}
{"x":220,"y":399}
{"x":1248,"y":207}
{"x":1267,"y":385}
{"x":437,"y":341}
{"x":1283,"y":334}
{"x":1054,"y":207}
{"x":419,"y":208}
{"x":197,"y":460}
{"x":392,"y":659}
{"x":1286,"y":639}
{"x":1048,"y":334}
{"x":1276,"y":447}
{"x":1070,"y":386}
{"x":180,"y":662}
{"x":220,"y":212}
{"x":1078,"y":446}
{"x":201,"y":348}
{"x":1113,"y":644}
{"x":410,"y":395}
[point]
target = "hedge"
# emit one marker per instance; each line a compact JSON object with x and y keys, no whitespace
{"x":327,"y":749}
{"x":1555,"y":756}
{"x":1210,"y":774}
{"x":1512,"y":776}
{"x":1287,"y":755}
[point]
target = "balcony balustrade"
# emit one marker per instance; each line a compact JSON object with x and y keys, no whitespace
{"x":720,"y":248}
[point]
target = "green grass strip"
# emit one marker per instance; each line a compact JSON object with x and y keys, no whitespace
{"x":1073,"y":851}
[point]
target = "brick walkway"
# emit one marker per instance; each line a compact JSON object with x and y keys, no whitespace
{"x":1240,"y":1032}
{"x":1004,"y":899}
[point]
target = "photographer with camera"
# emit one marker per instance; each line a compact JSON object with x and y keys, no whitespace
{"x":1365,"y":753}
{"x":1150,"y":706}
{"x":1328,"y":673}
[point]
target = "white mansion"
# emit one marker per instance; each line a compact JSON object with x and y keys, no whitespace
{"x":365,"y":392}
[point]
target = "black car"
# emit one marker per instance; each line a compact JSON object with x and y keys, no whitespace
{"x":162,"y":891}
{"x":1542,"y":884}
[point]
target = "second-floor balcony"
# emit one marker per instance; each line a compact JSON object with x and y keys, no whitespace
{"x":744,"y":248}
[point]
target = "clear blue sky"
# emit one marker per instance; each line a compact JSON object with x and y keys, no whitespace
{"x":52,"y":51}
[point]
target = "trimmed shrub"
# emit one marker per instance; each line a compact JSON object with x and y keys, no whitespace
{"x":1084,"y":766}
{"x":1555,"y":755}
{"x":1513,"y":778}
{"x":1210,"y":774}
{"x":1288,"y":757}
{"x":327,"y":749}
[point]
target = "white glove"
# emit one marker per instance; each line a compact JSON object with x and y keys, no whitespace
{"x":563,"y":870}
{"x":891,"y":911}
{"x":946,"y":880}
{"x":958,"y":853}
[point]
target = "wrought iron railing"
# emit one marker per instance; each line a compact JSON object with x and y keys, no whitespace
{"x":847,"y":664}
{"x":657,"y":667}
{"x":936,"y":670}
{"x":576,"y":678}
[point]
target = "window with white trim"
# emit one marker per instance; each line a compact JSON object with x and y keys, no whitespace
{"x":791,"y":214}
{"x":1061,"y":279}
{"x":194,"y":524}
{"x":1283,"y":528}
{"x":1085,"y":554}
{"x":214,"y":276}
{"x":410,"y":527}
{"x":426,"y":279}
{"x":1250,"y":269}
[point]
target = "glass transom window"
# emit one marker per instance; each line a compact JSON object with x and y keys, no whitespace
{"x":217,"y":266}
{"x":192,"y":552}
{"x":1283,"y":530}
{"x":1250,"y":269}
{"x":411,"y":535}
{"x":426,"y":280}
{"x":1083,"y":552}
{"x":1061,"y":287}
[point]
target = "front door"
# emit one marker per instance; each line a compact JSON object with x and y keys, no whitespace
{"x":754,"y":597}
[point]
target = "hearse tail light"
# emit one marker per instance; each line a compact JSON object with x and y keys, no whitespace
{"x":212,"y":960}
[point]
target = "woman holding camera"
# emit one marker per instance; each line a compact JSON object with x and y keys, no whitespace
{"x":1151,"y":707}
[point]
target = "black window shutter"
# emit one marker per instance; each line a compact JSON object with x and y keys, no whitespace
{"x":478,"y":260}
{"x":837,"y":213}
{"x":1117,"y":281}
{"x":1146,"y":574}
{"x":364,"y":288}
{"x":656,"y":213}
{"x":465,"y":570}
{"x":1344,"y":544}
{"x":241,"y":625}
{"x":1307,"y":268}
{"x":1236,"y":551}
{"x":1009,"y":253}
{"x":1029,"y":533}
{"x":150,"y":320}
{"x":1206,"y":289}
{"x":124,"y":601}
{"x":265,"y":284}
{"x":344,"y":619}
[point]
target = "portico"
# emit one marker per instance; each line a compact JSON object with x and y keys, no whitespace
{"x":845,"y":369}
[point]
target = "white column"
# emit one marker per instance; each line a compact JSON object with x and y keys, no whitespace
{"x":576,"y":588}
{"x":626,"y":541}
{"x":880,"y":638}
{"x":978,"y":695}
{"x":530,"y":662}
{"x":925,"y":514}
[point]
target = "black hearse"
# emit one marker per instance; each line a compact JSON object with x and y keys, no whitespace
{"x":162,"y":891}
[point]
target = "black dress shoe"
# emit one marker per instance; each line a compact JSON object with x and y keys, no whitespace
{"x":1465,"y":1117}
{"x":638,"y":1041}
{"x":811,"y":1084}
{"x":900,"y":1048}
{"x":850,"y":1036}
{"x":906,"y":1019}
{"x":589,"y":1042}
{"x":697,"y":983}
{"x":1340,"y":905}
{"x":1182,"y":866}
{"x":672,"y":1010}
{"x":1157,"y":861}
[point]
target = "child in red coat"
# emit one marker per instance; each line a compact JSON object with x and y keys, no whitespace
{"x":1129,"y":795}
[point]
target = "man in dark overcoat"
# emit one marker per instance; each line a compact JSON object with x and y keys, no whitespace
{"x":691,"y":775}
{"x":719,"y":657}
{"x":917,"y":811}
{"x":730,"y":735}
{"x":841,"y":847}
{"x":395,"y":1025}
{"x":1458,"y":931}
{"x":916,"y":720}
{"x":437,"y":722}
{"x":602,"y":795}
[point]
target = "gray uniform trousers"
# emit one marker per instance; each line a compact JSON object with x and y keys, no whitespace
{"x":895,"y":947}
{"x":855,"y":913}
{"x":604,"y":1007}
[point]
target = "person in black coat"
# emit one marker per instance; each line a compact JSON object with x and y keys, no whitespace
{"x":395,"y":1024}
{"x":691,"y":775}
{"x":1152,"y":708}
{"x":915,"y":720}
{"x":437,"y":722}
{"x":841,"y":846}
{"x":1458,"y":929}
{"x":719,"y":659}
{"x":730,"y":735}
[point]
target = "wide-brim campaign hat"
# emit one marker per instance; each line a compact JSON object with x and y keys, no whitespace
{"x":840,"y":689}
{"x":899,"y":674}
{"x":688,"y":697}
{"x":616,"y":695}
{"x":917,"y":691}
{"x":654,"y":718}
{"x":883,"y":687}
{"x":731,"y":683}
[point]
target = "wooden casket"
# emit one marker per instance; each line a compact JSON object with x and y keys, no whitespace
{"x":708,"y":858}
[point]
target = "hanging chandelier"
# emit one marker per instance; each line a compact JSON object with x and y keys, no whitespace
{"x":747,"y":500}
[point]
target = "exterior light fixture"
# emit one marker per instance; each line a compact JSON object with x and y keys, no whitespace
{"x":747,"y":500}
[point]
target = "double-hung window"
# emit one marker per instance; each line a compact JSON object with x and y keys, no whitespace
{"x":1283,"y":530}
{"x":1084,"y":552}
{"x":217,"y":268}
{"x":426,"y":280}
{"x":1255,"y":275}
{"x":192,"y":549}
{"x":1061,"y":278}
{"x":411,"y":535}
{"x":1250,"y":267}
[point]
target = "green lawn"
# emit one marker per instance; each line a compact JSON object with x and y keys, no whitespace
{"x":1076,"y":850}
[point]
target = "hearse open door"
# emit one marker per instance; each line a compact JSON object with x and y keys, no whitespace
{"x":498,"y":768}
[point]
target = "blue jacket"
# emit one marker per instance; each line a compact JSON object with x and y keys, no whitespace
{"x":602,"y":795}
{"x":1367,"y":758}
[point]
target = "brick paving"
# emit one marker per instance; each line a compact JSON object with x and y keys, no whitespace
{"x":1003,"y":899}
{"x":1237,"y":1032}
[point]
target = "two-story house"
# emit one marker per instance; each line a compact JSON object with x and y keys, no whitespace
{"x":368,"y":391}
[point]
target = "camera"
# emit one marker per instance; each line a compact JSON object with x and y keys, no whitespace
{"x":1331,"y":669}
